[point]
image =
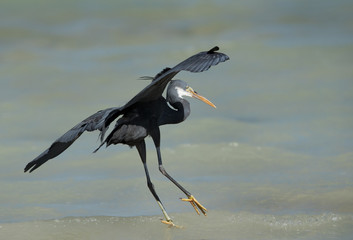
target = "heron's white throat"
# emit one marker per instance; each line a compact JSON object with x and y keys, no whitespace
{"x":182,"y":92}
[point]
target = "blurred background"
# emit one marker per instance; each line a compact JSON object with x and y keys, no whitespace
{"x":276,"y":153}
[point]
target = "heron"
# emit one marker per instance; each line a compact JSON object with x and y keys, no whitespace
{"x":141,"y":117}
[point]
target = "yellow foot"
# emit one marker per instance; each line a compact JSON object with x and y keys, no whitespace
{"x":195,"y":204}
{"x":170,"y":224}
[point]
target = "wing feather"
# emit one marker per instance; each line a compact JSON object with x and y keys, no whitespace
{"x":93,"y":122}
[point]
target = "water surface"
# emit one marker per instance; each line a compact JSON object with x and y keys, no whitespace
{"x":273,"y":161}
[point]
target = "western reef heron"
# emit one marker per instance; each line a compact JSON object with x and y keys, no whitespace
{"x":141,"y":117}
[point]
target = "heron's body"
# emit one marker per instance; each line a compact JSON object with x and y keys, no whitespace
{"x":141,"y":117}
{"x":136,"y":124}
{"x":146,"y":117}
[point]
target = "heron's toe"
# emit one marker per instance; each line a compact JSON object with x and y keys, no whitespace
{"x":171,"y":224}
{"x":197,"y":206}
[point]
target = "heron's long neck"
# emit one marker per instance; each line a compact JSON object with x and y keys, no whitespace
{"x":177,"y":115}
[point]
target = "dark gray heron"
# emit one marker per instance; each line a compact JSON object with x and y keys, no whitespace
{"x":141,"y":117}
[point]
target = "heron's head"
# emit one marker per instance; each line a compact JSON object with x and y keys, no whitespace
{"x":178,"y":89}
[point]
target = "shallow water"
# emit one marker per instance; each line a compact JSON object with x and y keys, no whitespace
{"x":273,"y":161}
{"x":219,"y":225}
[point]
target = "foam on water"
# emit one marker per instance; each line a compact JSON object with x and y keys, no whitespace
{"x":218,"y":225}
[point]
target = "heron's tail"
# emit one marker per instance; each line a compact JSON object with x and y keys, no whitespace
{"x":99,"y":147}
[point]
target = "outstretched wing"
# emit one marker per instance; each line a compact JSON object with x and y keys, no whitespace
{"x":93,"y":122}
{"x":197,"y":63}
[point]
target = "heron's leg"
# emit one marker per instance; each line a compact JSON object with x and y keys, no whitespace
{"x":141,"y":148}
{"x":155,"y":134}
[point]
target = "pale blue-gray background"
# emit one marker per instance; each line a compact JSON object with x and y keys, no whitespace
{"x":274,"y":160}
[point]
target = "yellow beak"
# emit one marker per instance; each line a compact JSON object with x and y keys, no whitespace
{"x":197,"y":96}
